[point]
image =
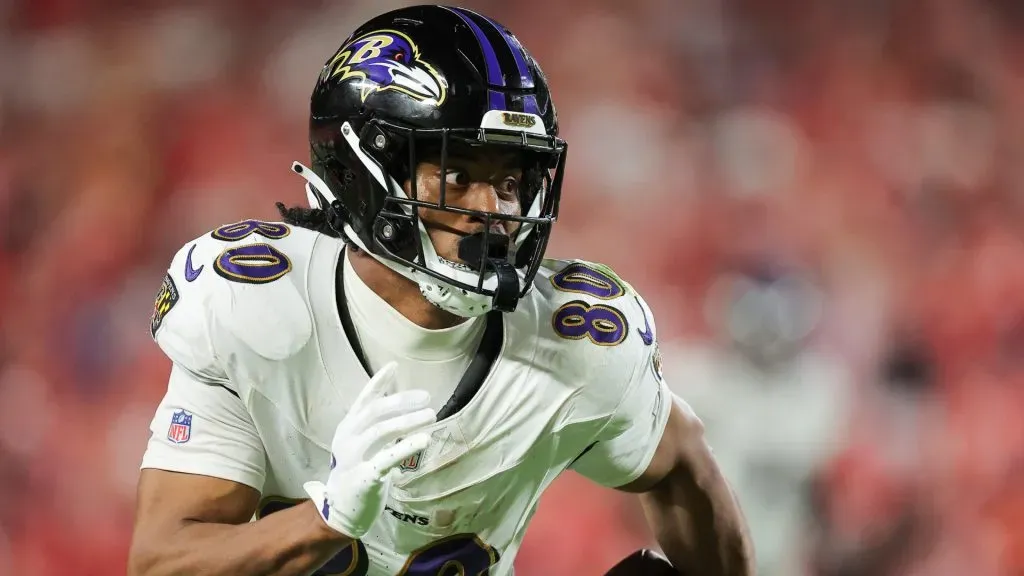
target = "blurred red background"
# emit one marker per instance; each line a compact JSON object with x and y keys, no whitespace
{"x":821,"y":201}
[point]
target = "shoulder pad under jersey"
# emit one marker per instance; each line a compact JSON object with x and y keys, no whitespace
{"x":592,"y":325}
{"x":239,"y":287}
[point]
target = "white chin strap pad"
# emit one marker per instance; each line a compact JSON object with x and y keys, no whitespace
{"x":441,"y":294}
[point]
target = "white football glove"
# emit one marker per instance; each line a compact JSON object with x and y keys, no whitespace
{"x":363,"y":458}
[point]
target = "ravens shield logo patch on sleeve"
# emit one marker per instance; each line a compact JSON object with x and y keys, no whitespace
{"x":656,"y":363}
{"x":166,"y":298}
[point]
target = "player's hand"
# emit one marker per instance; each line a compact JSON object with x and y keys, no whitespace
{"x":364,"y":455}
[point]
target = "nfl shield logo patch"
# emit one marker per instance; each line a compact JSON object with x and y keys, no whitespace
{"x":411,"y":463}
{"x":181,"y":427}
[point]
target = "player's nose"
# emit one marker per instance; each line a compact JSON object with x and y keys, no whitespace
{"x":481,"y":196}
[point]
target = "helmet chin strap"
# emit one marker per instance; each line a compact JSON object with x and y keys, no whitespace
{"x":439,"y":293}
{"x":491,"y":252}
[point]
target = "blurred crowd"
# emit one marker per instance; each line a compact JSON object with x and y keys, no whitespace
{"x":820,"y":199}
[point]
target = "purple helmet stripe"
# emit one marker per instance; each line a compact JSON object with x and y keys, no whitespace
{"x":525,"y":76}
{"x":519,"y":55}
{"x":495,"y":100}
{"x":530,"y":105}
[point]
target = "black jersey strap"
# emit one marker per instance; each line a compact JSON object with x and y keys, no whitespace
{"x":486,"y":354}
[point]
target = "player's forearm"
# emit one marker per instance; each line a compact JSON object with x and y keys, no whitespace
{"x":293,"y":542}
{"x":697,"y":520}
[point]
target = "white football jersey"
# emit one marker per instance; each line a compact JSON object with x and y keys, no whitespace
{"x":263,"y":372}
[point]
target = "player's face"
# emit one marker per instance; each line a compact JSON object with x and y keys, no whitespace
{"x":476,"y":178}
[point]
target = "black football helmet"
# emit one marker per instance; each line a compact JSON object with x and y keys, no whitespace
{"x":423,"y":78}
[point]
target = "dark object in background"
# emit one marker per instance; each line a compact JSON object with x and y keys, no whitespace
{"x":909,"y":367}
{"x":643,"y":563}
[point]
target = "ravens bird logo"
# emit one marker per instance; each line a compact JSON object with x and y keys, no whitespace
{"x":387,"y":60}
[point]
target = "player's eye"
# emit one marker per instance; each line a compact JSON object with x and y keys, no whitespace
{"x":509,"y":187}
{"x":458,"y":178}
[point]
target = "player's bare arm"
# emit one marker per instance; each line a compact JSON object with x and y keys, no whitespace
{"x":690,"y":506}
{"x":192,"y":524}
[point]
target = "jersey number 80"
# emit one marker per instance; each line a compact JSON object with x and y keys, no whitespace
{"x":257,"y":263}
{"x":603,"y":325}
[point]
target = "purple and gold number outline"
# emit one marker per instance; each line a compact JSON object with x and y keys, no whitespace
{"x":601,"y":324}
{"x":252,"y":264}
{"x":472,"y":550}
{"x":582,"y":278}
{"x":245,"y":228}
{"x":353,"y":557}
{"x":473,"y":558}
{"x":257,"y":263}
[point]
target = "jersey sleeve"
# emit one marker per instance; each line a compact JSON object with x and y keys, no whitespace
{"x":203,"y":428}
{"x":202,"y":425}
{"x":626,"y":445}
{"x":182,"y":323}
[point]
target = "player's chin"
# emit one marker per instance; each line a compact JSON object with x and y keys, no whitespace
{"x":446,"y":245}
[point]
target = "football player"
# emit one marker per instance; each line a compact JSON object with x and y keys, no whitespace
{"x":385,"y":383}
